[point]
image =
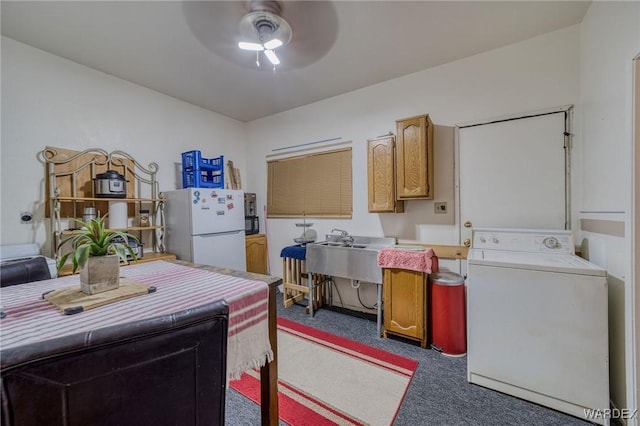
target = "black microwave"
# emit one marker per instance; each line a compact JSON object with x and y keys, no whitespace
{"x":251,"y":225}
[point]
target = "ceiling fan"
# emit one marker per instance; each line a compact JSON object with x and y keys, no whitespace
{"x":220,"y":25}
{"x":264,"y":30}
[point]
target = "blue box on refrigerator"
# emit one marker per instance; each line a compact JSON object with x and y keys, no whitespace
{"x":194,"y":160}
{"x":200,"y":172}
{"x":202,"y":179}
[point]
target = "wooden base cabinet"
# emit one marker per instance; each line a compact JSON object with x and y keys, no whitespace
{"x":405,"y":304}
{"x":256,"y":249}
{"x":414,"y":158}
{"x":381,"y":166}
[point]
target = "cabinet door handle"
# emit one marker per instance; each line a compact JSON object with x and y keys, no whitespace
{"x":467,"y":242}
{"x":467,"y":224}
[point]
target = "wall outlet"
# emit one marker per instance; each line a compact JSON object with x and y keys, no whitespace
{"x":26,"y":217}
{"x":440,"y":207}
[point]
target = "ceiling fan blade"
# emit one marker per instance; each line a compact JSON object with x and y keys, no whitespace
{"x":272,"y":44}
{"x":271,"y":55}
{"x":250,"y":46}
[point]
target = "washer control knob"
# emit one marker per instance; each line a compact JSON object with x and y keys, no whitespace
{"x":483,"y":240}
{"x":495,"y":240}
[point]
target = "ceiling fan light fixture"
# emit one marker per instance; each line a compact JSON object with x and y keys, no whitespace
{"x":273,"y":44}
{"x":271,"y":55}
{"x":261,"y":26}
{"x":263,"y":29}
{"x":245,"y":45}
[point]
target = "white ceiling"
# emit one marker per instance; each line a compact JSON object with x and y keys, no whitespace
{"x":188,"y":49}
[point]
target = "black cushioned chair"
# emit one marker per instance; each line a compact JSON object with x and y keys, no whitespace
{"x":168,"y":370}
{"x":24,"y":271}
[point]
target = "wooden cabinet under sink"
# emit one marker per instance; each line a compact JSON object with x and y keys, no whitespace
{"x":405,"y":304}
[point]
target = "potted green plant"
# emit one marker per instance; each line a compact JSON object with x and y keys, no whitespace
{"x":97,"y":251}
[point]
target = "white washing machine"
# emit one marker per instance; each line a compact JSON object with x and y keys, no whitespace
{"x":537,"y":320}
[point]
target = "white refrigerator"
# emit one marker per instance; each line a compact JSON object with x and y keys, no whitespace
{"x":206,"y":226}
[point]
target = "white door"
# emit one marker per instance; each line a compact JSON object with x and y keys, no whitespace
{"x":512,"y":174}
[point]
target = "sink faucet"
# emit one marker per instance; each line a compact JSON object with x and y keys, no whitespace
{"x":344,"y":236}
{"x":343,"y":233}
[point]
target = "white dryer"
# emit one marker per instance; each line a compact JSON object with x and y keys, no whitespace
{"x":537,"y":320}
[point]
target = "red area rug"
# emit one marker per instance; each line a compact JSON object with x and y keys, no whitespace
{"x":326,"y":379}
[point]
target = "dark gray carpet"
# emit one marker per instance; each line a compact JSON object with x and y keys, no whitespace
{"x":438,"y":394}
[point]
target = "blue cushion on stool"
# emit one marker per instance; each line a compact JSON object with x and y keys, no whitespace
{"x":294,"y":252}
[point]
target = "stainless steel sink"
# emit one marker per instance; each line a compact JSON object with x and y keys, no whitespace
{"x":353,"y":259}
{"x":338,"y":244}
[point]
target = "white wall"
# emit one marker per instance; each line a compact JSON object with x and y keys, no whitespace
{"x":610,"y":39}
{"x":535,"y":74}
{"x":50,"y":101}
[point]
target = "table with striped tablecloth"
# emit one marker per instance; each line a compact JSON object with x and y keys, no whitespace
{"x":30,"y":319}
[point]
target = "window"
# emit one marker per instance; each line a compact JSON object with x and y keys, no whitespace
{"x":317,"y":185}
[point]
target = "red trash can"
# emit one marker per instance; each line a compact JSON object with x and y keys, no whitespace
{"x":448,"y":313}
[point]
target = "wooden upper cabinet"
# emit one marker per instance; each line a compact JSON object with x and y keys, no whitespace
{"x":414,"y":158}
{"x":381,"y":175}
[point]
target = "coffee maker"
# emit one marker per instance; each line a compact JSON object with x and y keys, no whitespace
{"x":251,"y":222}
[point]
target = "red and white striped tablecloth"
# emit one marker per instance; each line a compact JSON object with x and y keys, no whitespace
{"x":31,"y":319}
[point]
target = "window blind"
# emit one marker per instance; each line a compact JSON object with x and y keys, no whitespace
{"x":316,"y":185}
